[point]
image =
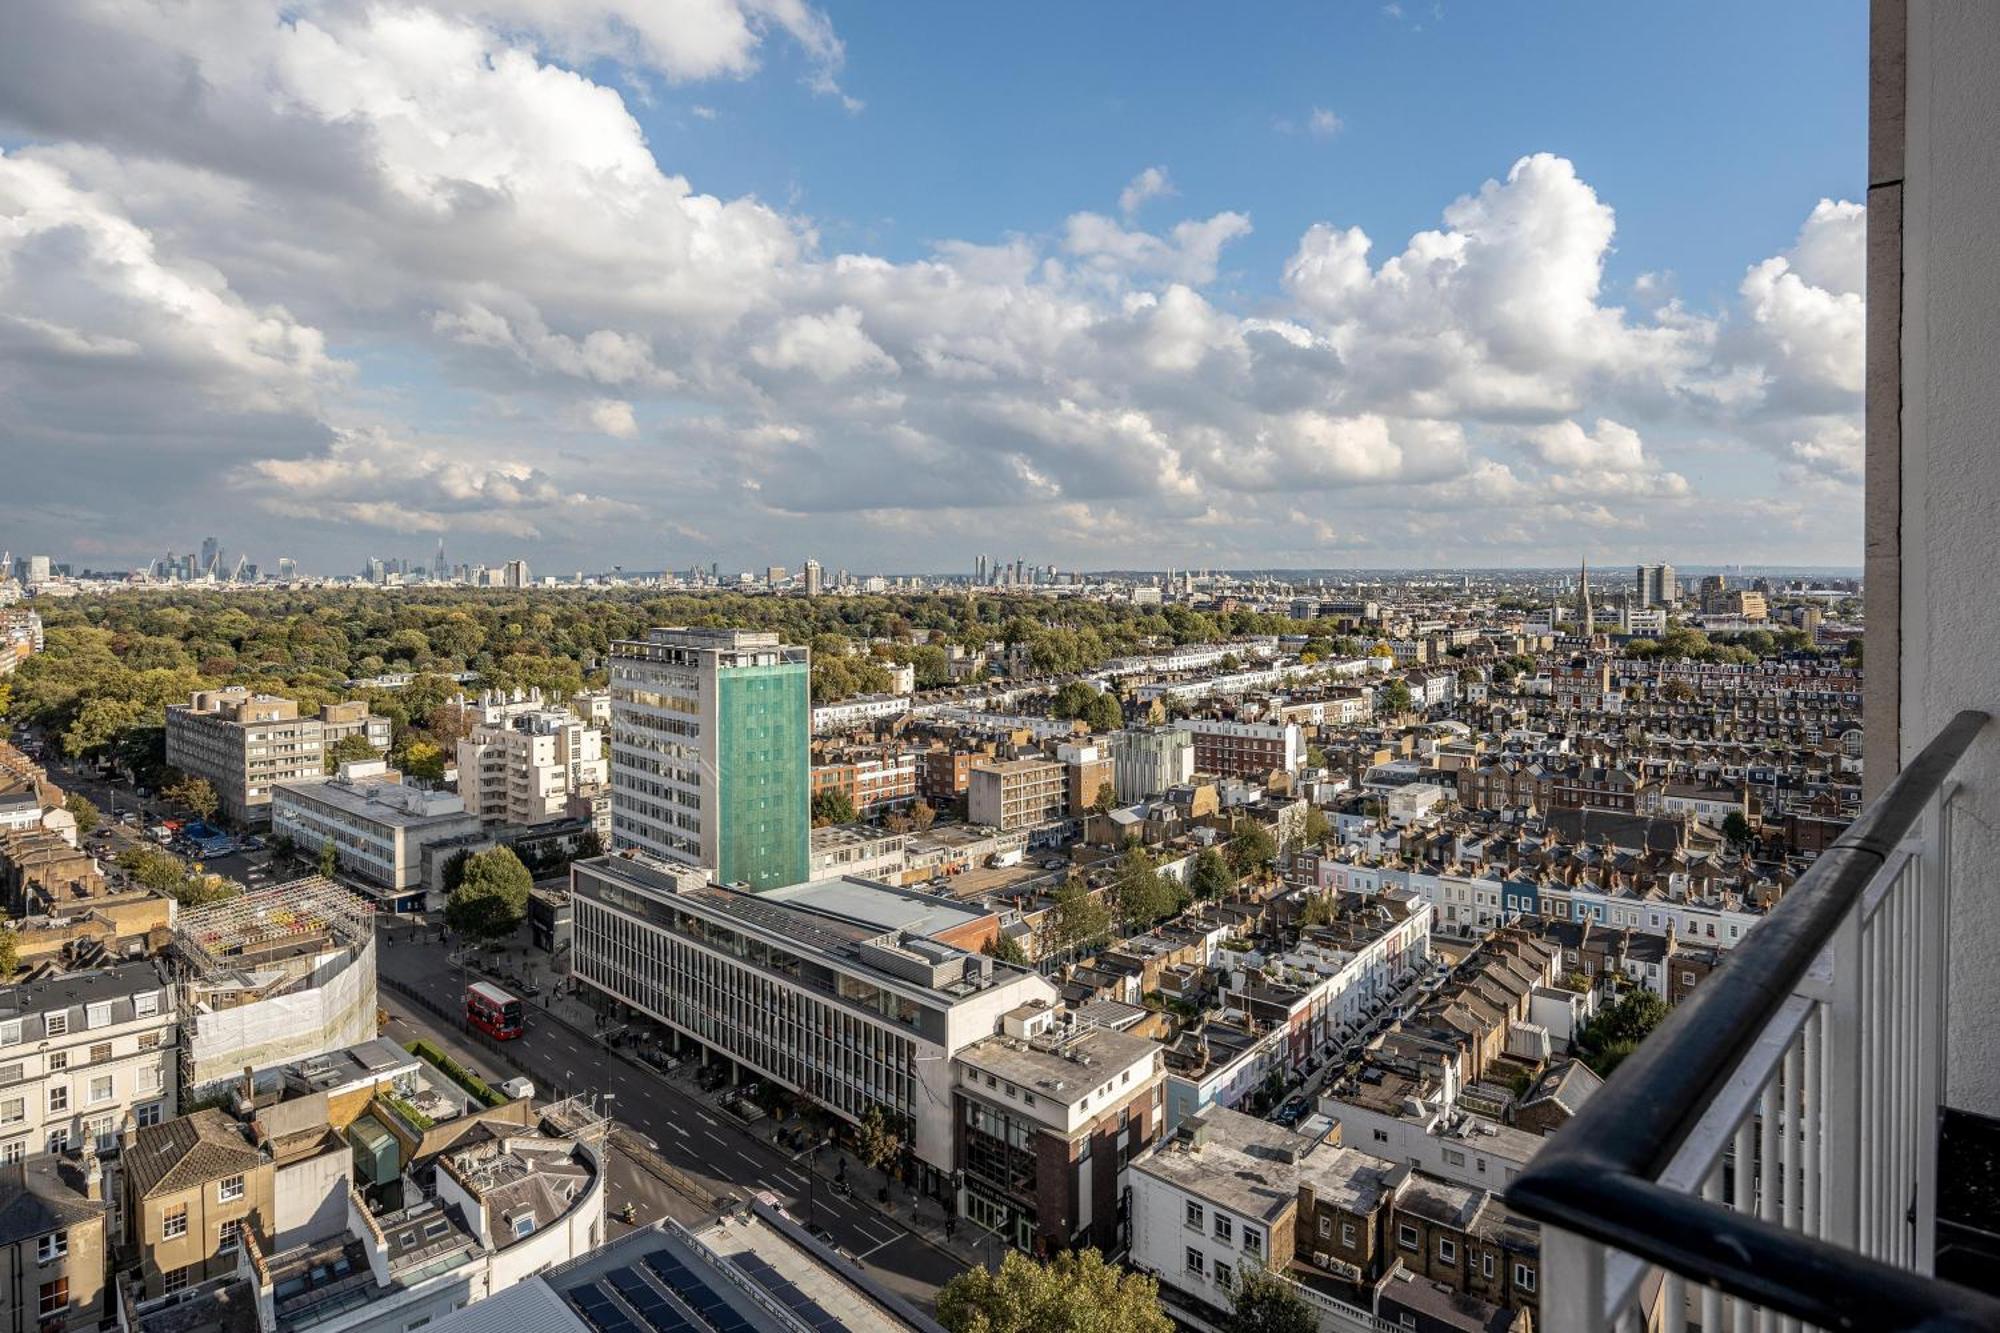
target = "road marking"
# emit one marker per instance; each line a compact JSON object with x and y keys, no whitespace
{"x":707,"y":1119}
{"x":677,"y":1129}
{"x":883,"y":1245}
{"x":754,"y":1163}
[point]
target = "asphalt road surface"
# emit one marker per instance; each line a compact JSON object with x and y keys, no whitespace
{"x":690,"y":1132}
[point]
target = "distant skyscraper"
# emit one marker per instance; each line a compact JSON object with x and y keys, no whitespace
{"x":774,"y":575}
{"x":711,"y":736}
{"x":1654,"y":585}
{"x":211,"y":551}
{"x":815,"y":578}
{"x":516,"y":574}
{"x":288,"y":568}
{"x":439,"y":569}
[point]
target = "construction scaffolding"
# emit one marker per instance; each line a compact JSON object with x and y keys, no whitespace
{"x":270,"y":977}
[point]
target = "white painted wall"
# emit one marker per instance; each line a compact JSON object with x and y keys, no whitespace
{"x":1950,"y":505}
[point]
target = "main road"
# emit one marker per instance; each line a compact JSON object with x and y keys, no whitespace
{"x":691,"y":1134}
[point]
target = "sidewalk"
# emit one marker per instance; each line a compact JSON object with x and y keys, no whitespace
{"x":926,"y":1224}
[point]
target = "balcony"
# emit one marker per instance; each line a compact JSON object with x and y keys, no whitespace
{"x":1768,"y":1157}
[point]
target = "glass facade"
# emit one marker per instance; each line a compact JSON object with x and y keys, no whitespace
{"x":763,"y":724}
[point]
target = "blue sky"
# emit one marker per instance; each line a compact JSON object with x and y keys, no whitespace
{"x":395,"y":272}
{"x":1704,"y":124}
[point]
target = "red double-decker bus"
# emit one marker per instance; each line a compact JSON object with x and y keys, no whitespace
{"x":494,"y":1012}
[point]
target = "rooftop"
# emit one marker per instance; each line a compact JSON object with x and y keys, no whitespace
{"x":1064,"y":1069}
{"x":1237,"y":1162}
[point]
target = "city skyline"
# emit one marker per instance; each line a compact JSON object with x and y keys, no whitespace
{"x":780,"y":283}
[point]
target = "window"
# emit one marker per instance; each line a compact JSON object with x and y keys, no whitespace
{"x":100,"y":1088}
{"x":10,"y":1033}
{"x":54,"y":1298}
{"x":149,"y":1041}
{"x":227,"y":1235}
{"x":1223,"y":1227}
{"x":416,"y":1324}
{"x":1454,"y":1157}
{"x":149,"y":1114}
{"x":1223,"y":1276}
{"x":1524,"y":1277}
{"x":52,"y":1247}
{"x":56,"y":1024}
{"x":146,"y":1003}
{"x":1447,"y":1251}
{"x":1381,"y":1136}
{"x":1687,"y":978}
{"x":1325,"y":1227}
{"x":1486,"y":1265}
{"x":100,"y":1052}
{"x":1253,"y":1241}
{"x":97,"y":1015}
{"x":175,"y":1281}
{"x":13,"y":1111}
{"x":1406,"y":1236}
{"x":1347,"y":1234}
{"x":59,"y":1139}
{"x":524,"y":1225}
{"x":58,"y":1061}
{"x":229,"y":1189}
{"x":1194,"y":1215}
{"x":1194,"y":1261}
{"x":174,"y":1222}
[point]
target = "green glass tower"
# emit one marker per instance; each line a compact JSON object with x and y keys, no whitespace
{"x":711,"y":735}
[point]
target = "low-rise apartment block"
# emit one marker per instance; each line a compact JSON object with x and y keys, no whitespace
{"x":378,"y":826}
{"x":1016,"y":794}
{"x":246,"y":744}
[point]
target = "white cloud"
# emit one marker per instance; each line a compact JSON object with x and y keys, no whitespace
{"x":1322,"y":124}
{"x":1152,"y":183}
{"x":418,"y":180}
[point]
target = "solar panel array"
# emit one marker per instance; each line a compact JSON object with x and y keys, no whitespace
{"x":685,"y":1283}
{"x":600,"y":1311}
{"x":654,"y":1308}
{"x":788,"y":1293}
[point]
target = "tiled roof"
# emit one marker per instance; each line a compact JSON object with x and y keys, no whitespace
{"x":189,"y":1151}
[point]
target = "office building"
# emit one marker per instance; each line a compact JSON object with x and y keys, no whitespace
{"x":710,"y":752}
{"x":815,"y":578}
{"x":245,"y":744}
{"x":78,"y":1053}
{"x":1655,"y":585}
{"x":1049,"y":1112}
{"x":852,"y":993}
{"x":1015,"y":794}
{"x":515,"y":574}
{"x":1088,"y":770}
{"x":378,"y":826}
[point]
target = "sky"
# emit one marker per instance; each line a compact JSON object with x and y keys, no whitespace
{"x":1119,"y":285}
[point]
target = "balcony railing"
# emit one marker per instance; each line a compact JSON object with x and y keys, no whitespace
{"x":1767,"y":1158}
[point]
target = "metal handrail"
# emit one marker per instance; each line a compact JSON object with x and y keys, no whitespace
{"x":1599,"y":1177}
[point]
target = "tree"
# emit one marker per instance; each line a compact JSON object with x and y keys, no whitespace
{"x":350,"y":749}
{"x":87,"y":815}
{"x":1007,"y":949}
{"x":1211,"y":877}
{"x":1251,"y":848}
{"x":454,"y":869}
{"x":1736,"y":828}
{"x":1616,"y":1032}
{"x":1264,"y":1303}
{"x":10,"y":951}
{"x":588,"y":845}
{"x":1143,"y":894}
{"x":831,"y":805}
{"x":492,"y":896}
{"x":922,"y":816}
{"x":1316,"y":826}
{"x":1078,"y":918}
{"x":196,"y":794}
{"x":877,"y":1140}
{"x":423,"y":759}
{"x":1075,"y":1292}
{"x":329,"y":858}
{"x":1396,"y":698}
{"x":1107,"y":796}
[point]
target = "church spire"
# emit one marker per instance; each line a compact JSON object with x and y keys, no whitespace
{"x":1584,"y":612}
